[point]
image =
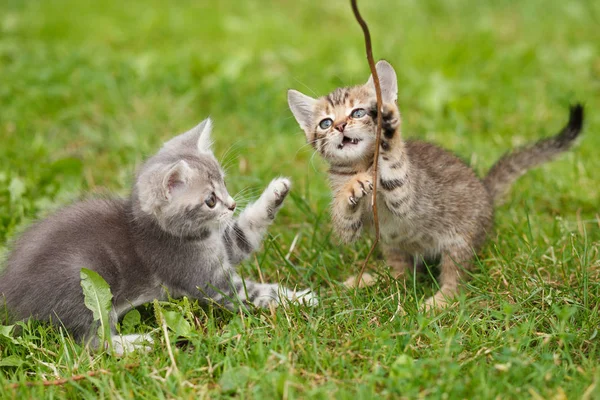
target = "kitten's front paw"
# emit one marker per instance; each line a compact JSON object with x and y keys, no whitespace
{"x":278,"y":190}
{"x":357,"y":187}
{"x":390,"y":121}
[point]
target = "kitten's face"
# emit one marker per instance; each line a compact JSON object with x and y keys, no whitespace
{"x":341,"y":126}
{"x":342,"y":129}
{"x":183,"y":186}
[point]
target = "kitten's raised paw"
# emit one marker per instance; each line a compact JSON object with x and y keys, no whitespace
{"x":359,"y":186}
{"x":278,"y":190}
{"x":390,"y":121}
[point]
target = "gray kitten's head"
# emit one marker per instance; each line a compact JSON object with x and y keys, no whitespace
{"x":341,"y":125}
{"x":182,"y":186}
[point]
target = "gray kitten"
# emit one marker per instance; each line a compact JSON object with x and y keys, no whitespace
{"x":430,"y":203}
{"x":176,"y":232}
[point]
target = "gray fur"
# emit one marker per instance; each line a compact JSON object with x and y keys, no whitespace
{"x":164,"y":237}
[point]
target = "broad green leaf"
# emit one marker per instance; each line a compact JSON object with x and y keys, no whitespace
{"x":98,"y":299}
{"x":236,"y":378}
{"x":177,"y":323}
{"x":131,"y":319}
{"x":5,"y":331}
{"x":11,"y":361}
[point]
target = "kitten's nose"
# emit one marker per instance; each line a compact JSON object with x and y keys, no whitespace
{"x":232,"y":206}
{"x":340,"y":127}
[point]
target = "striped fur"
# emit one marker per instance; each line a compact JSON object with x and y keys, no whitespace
{"x":431,"y":205}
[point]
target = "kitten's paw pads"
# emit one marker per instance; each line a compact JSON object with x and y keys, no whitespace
{"x":366,"y":280}
{"x":123,"y":344}
{"x":278,"y":190}
{"x":358,"y":187}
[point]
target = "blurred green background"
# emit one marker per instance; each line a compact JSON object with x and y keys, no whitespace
{"x":89,"y":89}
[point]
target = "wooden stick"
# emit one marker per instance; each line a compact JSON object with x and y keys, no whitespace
{"x":59,"y":382}
{"x":365,"y":29}
{"x":63,"y":381}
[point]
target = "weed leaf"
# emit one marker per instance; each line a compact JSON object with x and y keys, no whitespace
{"x":11,"y":361}
{"x":132,"y":319}
{"x":5,"y":332}
{"x":98,"y":299}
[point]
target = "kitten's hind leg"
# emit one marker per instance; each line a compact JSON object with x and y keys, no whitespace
{"x":400,"y":261}
{"x":453,"y":270}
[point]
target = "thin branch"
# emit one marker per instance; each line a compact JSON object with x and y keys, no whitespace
{"x":365,"y":29}
{"x":63,"y":381}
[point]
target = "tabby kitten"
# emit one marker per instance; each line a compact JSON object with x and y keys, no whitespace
{"x":176,"y":233}
{"x":430,"y":203}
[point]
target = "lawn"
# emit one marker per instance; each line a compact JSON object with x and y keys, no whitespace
{"x":89,"y":89}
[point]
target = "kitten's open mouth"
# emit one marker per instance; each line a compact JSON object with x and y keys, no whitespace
{"x":348,"y":141}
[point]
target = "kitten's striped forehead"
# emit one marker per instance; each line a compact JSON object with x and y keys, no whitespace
{"x":346,"y":96}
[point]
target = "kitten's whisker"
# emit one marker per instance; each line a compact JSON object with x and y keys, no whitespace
{"x":247,"y":190}
{"x":306,"y":86}
{"x":231,"y":155}
{"x":311,"y":161}
{"x":230,"y":149}
{"x":230,"y":163}
{"x":305,"y":145}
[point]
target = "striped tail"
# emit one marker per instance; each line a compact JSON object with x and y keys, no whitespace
{"x":514,"y":164}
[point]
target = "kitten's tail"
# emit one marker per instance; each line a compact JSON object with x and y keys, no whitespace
{"x":514,"y":164}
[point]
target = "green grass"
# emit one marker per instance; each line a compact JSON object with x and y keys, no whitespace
{"x":87,"y":90}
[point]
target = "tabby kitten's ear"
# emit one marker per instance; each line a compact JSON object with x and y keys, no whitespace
{"x":387,"y":81}
{"x":158,"y":184}
{"x":302,"y":107}
{"x":198,"y":137}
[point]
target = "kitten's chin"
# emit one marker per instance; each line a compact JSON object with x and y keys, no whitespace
{"x":350,"y":153}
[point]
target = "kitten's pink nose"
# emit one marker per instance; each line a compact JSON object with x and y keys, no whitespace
{"x":340,"y":127}
{"x":232,"y":206}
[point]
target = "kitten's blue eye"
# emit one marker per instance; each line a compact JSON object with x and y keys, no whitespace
{"x":326,"y":123}
{"x":358,"y":113}
{"x":211,"y":201}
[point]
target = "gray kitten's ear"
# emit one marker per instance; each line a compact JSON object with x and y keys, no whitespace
{"x":176,"y":177}
{"x":387,"y":81}
{"x":198,"y":137}
{"x":302,"y":107}
{"x":157,"y":184}
{"x":204,"y":142}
